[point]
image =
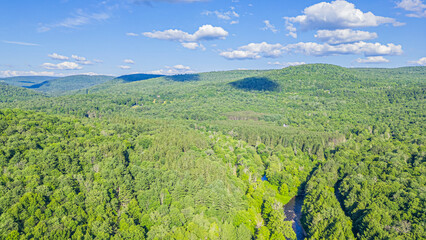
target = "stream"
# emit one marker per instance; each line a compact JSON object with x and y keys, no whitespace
{"x":293,"y":212}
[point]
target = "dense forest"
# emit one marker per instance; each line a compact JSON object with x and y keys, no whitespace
{"x":215,"y":155}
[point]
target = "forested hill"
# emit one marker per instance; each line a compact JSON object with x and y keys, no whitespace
{"x":67,"y":85}
{"x":181,"y":157}
{"x":9,"y":94}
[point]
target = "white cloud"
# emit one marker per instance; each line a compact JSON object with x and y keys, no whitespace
{"x":87,"y":62}
{"x":228,"y":15}
{"x":57,"y":56}
{"x":292,"y":34}
{"x":91,"y":74}
{"x":205,"y":32}
{"x":269,"y":26}
{"x":62,"y":66}
{"x":193,"y":45}
{"x":417,"y":7}
{"x":177,"y":69}
{"x":421,"y":61}
{"x":254,"y":51}
{"x":240,"y":55}
{"x":21,"y":43}
{"x":291,"y":29}
{"x":344,"y":36}
{"x":129,"y":61}
{"x":124,"y":67}
{"x":132,"y":34}
{"x":208,"y":32}
{"x":180,"y":67}
{"x":79,"y":18}
{"x":286,"y":64}
{"x":81,"y":60}
{"x":170,"y":34}
{"x":337,"y":15}
{"x":78,"y":58}
{"x":368,"y":49}
{"x":259,"y":50}
{"x":376,"y":59}
{"x":11,"y":73}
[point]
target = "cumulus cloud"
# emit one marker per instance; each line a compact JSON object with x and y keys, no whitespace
{"x":254,"y":51}
{"x":79,"y":18}
{"x":177,"y":69}
{"x":286,"y":64}
{"x":421,"y":61}
{"x":375,"y":59}
{"x":12,"y":73}
{"x":57,"y":56}
{"x":205,"y":32}
{"x":193,"y":45}
{"x":269,"y":26}
{"x":338,"y":14}
{"x":368,"y":49}
{"x":416,"y":7}
{"x":62,"y":66}
{"x":132,"y":34}
{"x":344,"y":36}
{"x":124,"y":67}
{"x":129,"y":61}
{"x":21,"y":43}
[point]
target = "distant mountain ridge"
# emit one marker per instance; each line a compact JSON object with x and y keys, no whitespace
{"x":64,"y":85}
{"x":25,"y":81}
{"x":313,"y":76}
{"x":71,"y":84}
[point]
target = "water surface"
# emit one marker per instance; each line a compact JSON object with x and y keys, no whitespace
{"x":293,"y":212}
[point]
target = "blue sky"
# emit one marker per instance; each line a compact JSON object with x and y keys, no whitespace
{"x":116,"y":37}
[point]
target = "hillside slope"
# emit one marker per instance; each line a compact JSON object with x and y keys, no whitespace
{"x":9,"y":94}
